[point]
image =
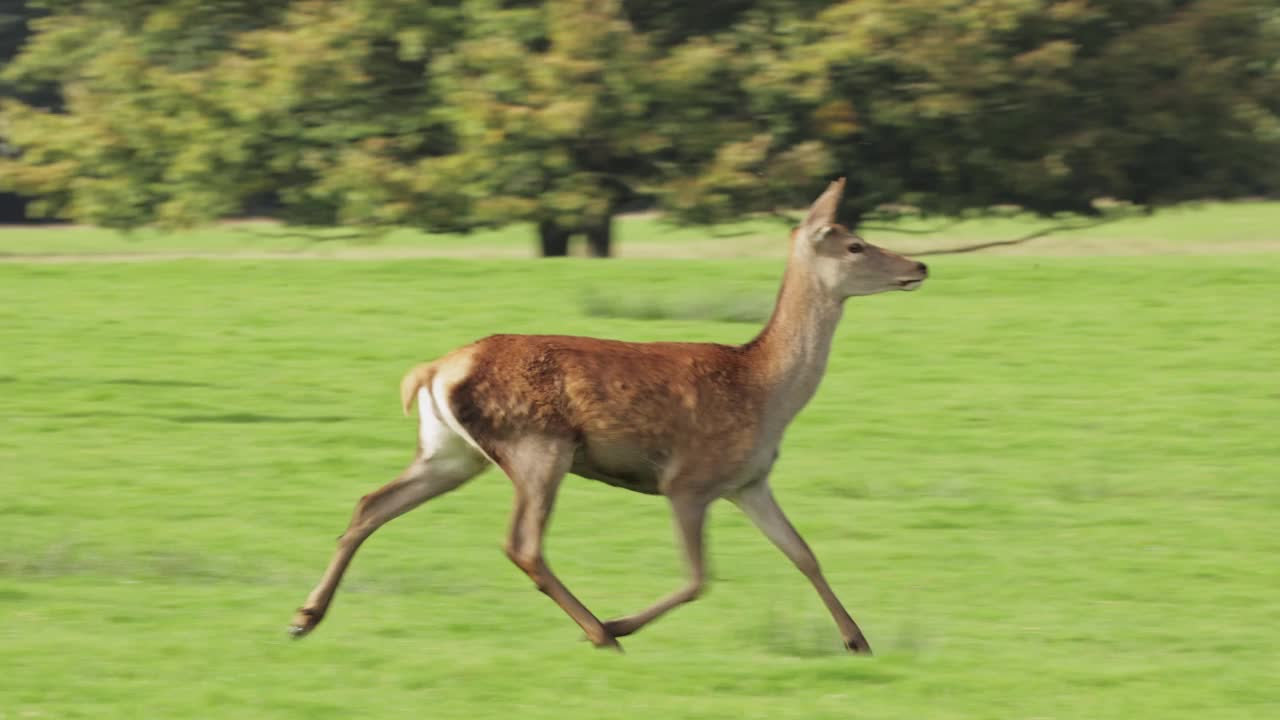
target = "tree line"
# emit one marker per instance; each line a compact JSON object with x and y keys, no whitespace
{"x":454,"y":115}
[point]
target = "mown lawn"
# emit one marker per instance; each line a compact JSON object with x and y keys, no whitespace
{"x":1045,"y":487}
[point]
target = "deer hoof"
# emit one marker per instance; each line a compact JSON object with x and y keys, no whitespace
{"x":608,"y":643}
{"x":304,"y":622}
{"x":858,"y":645}
{"x":611,"y":644}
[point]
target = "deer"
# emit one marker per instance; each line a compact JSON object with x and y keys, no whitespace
{"x":690,"y":422}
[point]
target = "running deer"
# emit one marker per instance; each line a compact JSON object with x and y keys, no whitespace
{"x":693,"y":422}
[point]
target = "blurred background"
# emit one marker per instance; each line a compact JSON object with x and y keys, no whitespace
{"x":1045,"y":485}
{"x":453,"y":116}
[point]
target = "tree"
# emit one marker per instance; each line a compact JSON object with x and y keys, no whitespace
{"x":376,"y":114}
{"x":735,"y":107}
{"x":969,"y":104}
{"x":550,"y":102}
{"x":1051,"y":106}
{"x":453,"y":115}
{"x":181,"y":112}
{"x":15,"y":22}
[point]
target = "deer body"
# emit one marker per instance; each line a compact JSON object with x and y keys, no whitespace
{"x":693,"y":422}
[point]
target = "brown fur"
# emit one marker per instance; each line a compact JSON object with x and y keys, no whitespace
{"x":648,"y":401}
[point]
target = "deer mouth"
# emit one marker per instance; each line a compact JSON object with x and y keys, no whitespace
{"x":910,"y":284}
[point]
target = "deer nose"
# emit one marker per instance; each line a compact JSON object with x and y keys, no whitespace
{"x":924,"y":269}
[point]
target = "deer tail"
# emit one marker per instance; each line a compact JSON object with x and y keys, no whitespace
{"x":414,"y":380}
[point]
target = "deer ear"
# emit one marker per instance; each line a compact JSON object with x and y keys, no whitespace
{"x":823,"y":210}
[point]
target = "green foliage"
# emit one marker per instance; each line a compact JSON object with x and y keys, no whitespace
{"x":180,"y":130}
{"x":457,"y":115}
{"x":1051,"y":106}
{"x":550,"y":103}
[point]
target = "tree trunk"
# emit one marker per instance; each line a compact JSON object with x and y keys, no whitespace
{"x":554,"y":239}
{"x":600,"y":238}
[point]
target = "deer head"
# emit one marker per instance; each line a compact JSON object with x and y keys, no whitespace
{"x":843,"y":263}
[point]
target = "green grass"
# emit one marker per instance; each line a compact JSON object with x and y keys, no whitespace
{"x":1200,"y":228}
{"x":1046,"y":488}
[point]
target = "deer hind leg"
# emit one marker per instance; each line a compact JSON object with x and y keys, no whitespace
{"x":690,"y":516}
{"x":536,"y":468}
{"x":444,"y":463}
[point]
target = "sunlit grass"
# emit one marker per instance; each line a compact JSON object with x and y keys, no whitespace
{"x":1045,"y":488}
{"x":1203,"y":228}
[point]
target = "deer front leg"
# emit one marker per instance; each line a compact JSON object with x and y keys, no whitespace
{"x":690,"y":517}
{"x":758,"y":503}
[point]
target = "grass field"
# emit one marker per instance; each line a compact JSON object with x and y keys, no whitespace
{"x":1045,"y":486}
{"x":1237,"y":227}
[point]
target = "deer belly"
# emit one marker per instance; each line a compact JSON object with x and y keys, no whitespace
{"x":623,"y":467}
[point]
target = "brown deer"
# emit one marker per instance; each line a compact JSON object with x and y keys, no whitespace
{"x":693,"y":422}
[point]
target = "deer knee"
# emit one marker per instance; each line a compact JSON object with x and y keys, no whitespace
{"x":516,"y":553}
{"x":359,"y":528}
{"x":532,"y":565}
{"x":367,"y":508}
{"x":356,"y":534}
{"x":362,"y":507}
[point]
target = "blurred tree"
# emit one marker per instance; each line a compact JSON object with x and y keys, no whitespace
{"x":1049,"y":105}
{"x":181,"y":111}
{"x":451,"y":115}
{"x":947,"y":107}
{"x":735,"y":109}
{"x":15,"y":19}
{"x":357,"y":128}
{"x":550,"y":101}
{"x":446,"y":116}
{"x":139,"y":137}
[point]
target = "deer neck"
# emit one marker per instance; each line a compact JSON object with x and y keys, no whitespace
{"x":793,"y":347}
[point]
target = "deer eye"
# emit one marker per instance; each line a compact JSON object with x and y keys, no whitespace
{"x":857,"y":248}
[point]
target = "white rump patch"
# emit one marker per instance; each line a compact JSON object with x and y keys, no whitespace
{"x":441,"y":443}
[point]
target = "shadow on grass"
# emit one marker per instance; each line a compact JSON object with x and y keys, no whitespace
{"x":753,"y":308}
{"x":788,"y":632}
